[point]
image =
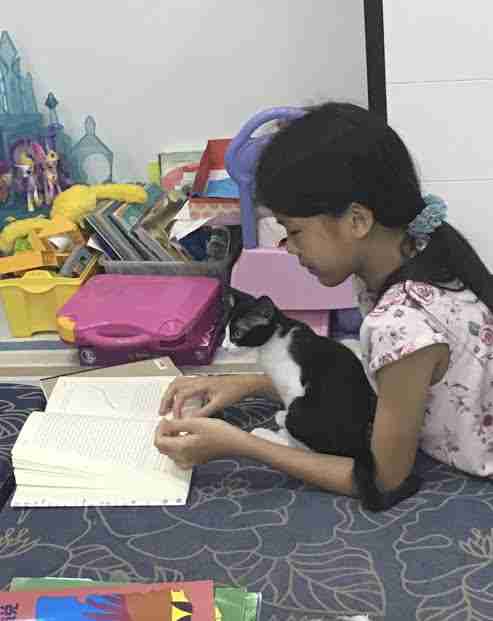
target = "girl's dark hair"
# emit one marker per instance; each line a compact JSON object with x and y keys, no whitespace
{"x":340,"y":153}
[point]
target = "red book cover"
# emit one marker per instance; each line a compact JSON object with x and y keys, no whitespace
{"x":168,"y":601}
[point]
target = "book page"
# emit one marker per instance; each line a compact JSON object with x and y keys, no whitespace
{"x":26,"y":496}
{"x":86,"y":481}
{"x":154,"y":367}
{"x":127,"y":397}
{"x":120,"y":450}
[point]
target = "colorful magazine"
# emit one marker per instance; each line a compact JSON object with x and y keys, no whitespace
{"x":178,"y":168}
{"x":231,"y":603}
{"x":167,"y":601}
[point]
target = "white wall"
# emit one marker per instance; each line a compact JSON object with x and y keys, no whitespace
{"x":440,"y":99}
{"x":157,"y":73}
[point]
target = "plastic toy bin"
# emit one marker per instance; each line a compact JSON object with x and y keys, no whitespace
{"x":32,"y":301}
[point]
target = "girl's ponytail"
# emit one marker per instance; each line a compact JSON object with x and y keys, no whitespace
{"x":463,"y":262}
{"x":448,"y":257}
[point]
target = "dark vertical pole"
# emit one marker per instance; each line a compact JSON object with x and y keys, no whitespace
{"x":375,"y":57}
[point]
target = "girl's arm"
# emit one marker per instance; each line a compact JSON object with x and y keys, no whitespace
{"x":402,"y":389}
{"x":218,"y":391}
{"x":402,"y":394}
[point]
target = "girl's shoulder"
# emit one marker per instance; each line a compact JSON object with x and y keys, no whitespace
{"x":451,"y":298}
{"x":413,"y":315}
{"x":451,"y":311}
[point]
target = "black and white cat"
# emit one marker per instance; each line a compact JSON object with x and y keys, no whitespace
{"x":330,"y":405}
{"x":329,"y":402}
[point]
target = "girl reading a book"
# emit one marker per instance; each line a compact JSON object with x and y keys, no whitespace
{"x":344,"y":185}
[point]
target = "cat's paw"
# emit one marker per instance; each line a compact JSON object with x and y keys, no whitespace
{"x":280,"y":418}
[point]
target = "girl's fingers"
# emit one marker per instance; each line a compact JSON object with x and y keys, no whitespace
{"x":182,"y":397}
{"x":171,"y":432}
{"x":183,"y":464}
{"x":173,"y":426}
{"x":163,"y":429}
{"x":206,"y":410}
{"x":175,"y":397}
{"x":168,"y":398}
{"x":168,"y":442}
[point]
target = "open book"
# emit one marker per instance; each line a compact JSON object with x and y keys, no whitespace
{"x":94,"y":445}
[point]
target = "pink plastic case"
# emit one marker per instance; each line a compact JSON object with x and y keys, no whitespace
{"x":117,"y":317}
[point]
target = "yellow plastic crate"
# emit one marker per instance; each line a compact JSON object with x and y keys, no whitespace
{"x":32,"y":301}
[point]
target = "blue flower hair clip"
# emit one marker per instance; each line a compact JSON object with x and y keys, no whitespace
{"x":432,"y":216}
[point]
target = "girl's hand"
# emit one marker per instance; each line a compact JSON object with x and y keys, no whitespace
{"x":218,"y":391}
{"x":192,"y":441}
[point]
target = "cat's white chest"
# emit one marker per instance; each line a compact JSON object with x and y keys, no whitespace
{"x":284,"y":372}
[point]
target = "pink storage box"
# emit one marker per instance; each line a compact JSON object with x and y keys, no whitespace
{"x":118,"y":317}
{"x":278,"y":274}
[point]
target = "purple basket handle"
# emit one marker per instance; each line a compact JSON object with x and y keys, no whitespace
{"x":107,"y":341}
{"x":240,"y":161}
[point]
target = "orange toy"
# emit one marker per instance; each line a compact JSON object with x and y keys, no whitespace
{"x":24,"y":261}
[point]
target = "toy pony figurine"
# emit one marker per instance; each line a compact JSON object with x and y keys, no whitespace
{"x":25,"y":165}
{"x":47,"y":171}
{"x":5,"y":181}
{"x":51,"y":176}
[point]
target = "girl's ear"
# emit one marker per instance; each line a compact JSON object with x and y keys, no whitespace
{"x":361,"y":220}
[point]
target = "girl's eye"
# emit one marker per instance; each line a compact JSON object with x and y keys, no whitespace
{"x":293,"y":233}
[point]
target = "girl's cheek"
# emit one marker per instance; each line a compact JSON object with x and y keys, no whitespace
{"x":291,"y":246}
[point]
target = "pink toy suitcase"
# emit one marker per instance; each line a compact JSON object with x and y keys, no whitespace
{"x":116,"y":318}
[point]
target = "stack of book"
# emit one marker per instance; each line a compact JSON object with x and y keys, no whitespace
{"x":97,"y":434}
{"x":138,"y":232}
{"x":94,"y":443}
{"x":62,"y":599}
{"x":162,"y":230}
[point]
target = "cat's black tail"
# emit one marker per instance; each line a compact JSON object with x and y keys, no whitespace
{"x":364,"y":476}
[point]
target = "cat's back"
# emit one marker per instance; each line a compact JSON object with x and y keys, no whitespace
{"x":332,"y":374}
{"x":325,"y":360}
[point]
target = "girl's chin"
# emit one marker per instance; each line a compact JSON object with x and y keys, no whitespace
{"x":327,"y":280}
{"x":324,"y":279}
{"x":313,"y":271}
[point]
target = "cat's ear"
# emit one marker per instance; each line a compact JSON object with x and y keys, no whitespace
{"x":235,"y":296}
{"x":266,"y":306}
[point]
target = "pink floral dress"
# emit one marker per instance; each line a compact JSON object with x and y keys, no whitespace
{"x":458,"y":425}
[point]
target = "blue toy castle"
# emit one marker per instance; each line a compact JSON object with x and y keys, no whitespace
{"x":20,"y":119}
{"x":19,"y":115}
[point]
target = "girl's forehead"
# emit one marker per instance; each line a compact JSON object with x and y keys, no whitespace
{"x":286,"y":221}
